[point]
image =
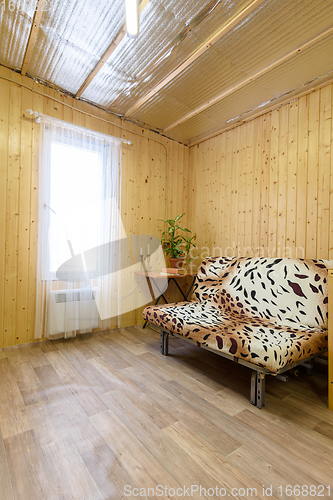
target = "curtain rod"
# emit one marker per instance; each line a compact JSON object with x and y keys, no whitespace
{"x":40,"y":116}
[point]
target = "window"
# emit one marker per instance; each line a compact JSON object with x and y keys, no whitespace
{"x":79,"y":210}
{"x":76,"y":191}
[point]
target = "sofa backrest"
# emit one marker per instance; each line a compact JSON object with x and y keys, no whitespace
{"x":290,"y":291}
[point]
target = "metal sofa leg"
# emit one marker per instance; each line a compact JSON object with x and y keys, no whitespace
{"x":164,"y":342}
{"x":308,"y":366}
{"x":260,"y":389}
{"x":253,"y":398}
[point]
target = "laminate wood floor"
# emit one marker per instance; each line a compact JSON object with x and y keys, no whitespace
{"x":106,"y":416}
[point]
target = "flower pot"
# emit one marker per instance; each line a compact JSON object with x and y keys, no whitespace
{"x":176,"y":262}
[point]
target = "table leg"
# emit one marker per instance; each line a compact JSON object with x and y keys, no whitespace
{"x":189,"y":290}
{"x":158,"y":298}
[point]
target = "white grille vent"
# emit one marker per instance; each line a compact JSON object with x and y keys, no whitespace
{"x":70,"y":296}
{"x":73,"y":310}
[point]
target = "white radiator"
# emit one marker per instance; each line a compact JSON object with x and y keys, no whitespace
{"x":73,"y":310}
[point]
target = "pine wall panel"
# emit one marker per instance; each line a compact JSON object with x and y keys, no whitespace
{"x":149,"y":192}
{"x":265,"y":187}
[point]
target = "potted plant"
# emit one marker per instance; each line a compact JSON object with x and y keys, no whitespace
{"x":177,"y":242}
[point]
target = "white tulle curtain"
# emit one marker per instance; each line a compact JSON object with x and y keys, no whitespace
{"x":78,"y":215}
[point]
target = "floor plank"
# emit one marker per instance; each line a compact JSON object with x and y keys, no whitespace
{"x":6,"y":489}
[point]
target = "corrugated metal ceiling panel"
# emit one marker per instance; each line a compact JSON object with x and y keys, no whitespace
{"x":289,"y":79}
{"x":67,"y":48}
{"x":215,"y":119}
{"x":230,"y":61}
{"x":127,"y":75}
{"x":73,"y":36}
{"x":15,"y":24}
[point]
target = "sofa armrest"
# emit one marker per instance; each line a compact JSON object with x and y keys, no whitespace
{"x":330,"y":339}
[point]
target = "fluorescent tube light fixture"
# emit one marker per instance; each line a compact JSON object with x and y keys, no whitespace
{"x":132,"y":17}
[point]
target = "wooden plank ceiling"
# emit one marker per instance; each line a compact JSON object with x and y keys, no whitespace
{"x":195,"y":69}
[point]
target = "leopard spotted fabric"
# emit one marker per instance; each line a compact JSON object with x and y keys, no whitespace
{"x":270,"y":312}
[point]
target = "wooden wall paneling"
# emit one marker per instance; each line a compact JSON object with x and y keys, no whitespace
{"x":144,"y":206}
{"x":204,"y":200}
{"x":312,"y":180}
{"x":129,"y":213}
{"x":256,"y":202}
{"x":160,"y":170}
{"x":178,"y":181}
{"x":37,"y":104}
{"x":24,"y":220}
{"x":201,"y":199}
{"x":216,"y":183}
{"x":138,"y":204}
{"x":178,"y":185}
{"x":293,"y":145}
{"x":128,"y":185}
{"x":48,"y":104}
{"x":197,"y":196}
{"x":302,"y":176}
{"x":220,"y":241}
{"x":234,"y":192}
{"x":292,"y":180}
{"x":249,"y":190}
{"x":185,"y":159}
{"x":67,"y":112}
{"x":265,"y":176}
{"x":324,"y":173}
{"x":228,"y":216}
{"x":171,"y":213}
{"x":143,"y":202}
{"x":212,"y":179}
{"x":295,"y":211}
{"x":209,"y":168}
{"x":127,"y":158}
{"x":330,"y":254}
{"x":282,"y":182}
{"x":273,"y":183}
{"x":12,"y":223}
{"x":330,"y":339}
{"x":241,"y":154}
{"x":56,"y":110}
{"x":150,"y":180}
{"x":195,"y":200}
{"x":214,"y":199}
{"x":192,"y":213}
{"x":219,"y":196}
{"x":4,"y":120}
{"x":204,"y":154}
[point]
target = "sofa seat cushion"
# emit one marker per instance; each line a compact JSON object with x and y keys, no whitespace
{"x":260,"y":341}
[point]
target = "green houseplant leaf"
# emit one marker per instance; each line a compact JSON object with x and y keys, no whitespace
{"x":174,"y":242}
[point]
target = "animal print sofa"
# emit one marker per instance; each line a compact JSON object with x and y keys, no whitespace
{"x":267,"y":313}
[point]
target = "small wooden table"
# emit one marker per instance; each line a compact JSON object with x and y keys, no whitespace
{"x":155,"y":276}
